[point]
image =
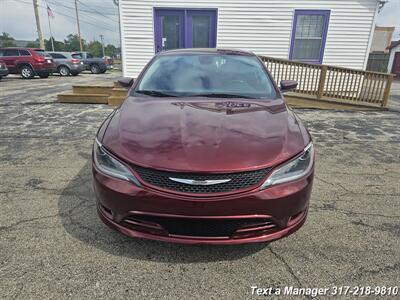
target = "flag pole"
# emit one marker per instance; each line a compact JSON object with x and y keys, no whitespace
{"x":50,"y":13}
{"x":51,"y":33}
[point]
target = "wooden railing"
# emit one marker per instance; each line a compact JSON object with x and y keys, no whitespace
{"x":323,"y":82}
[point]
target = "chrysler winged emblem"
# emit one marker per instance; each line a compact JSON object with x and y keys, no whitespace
{"x":199,"y":182}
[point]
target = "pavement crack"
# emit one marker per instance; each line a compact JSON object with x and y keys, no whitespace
{"x":346,"y":212}
{"x":334,"y":184}
{"x":12,"y":226}
{"x":382,"y":270}
{"x":288,"y":268}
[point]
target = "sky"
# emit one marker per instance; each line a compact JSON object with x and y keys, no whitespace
{"x":390,"y":16}
{"x":97,"y":17}
{"x":100,"y":17}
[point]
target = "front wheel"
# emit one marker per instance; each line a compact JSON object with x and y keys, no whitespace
{"x":95,"y":69}
{"x":27,"y":72}
{"x":64,"y":71}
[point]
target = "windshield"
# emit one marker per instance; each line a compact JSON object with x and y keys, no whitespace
{"x":214,"y":75}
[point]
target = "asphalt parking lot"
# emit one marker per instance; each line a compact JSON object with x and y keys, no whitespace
{"x":53,"y":246}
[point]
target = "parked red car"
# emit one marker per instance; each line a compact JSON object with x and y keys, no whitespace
{"x":204,"y":150}
{"x":28,"y":62}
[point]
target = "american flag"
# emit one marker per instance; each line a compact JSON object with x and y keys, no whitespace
{"x":49,"y":12}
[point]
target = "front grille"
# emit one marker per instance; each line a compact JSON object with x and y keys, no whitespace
{"x":239,"y":181}
{"x":201,"y":227}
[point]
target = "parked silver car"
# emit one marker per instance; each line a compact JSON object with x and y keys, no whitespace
{"x":67,"y":64}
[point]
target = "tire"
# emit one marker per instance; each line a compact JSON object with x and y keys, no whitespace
{"x":95,"y":69}
{"x":26,"y":72}
{"x":1,"y":77}
{"x":64,"y":71}
{"x":44,"y":75}
{"x":103,"y":71}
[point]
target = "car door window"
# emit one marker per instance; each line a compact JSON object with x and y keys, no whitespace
{"x":57,"y":55}
{"x":24,"y":53}
{"x":89,"y":55}
{"x":10,"y":52}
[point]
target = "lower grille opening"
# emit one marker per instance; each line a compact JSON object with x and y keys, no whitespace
{"x":201,"y":227}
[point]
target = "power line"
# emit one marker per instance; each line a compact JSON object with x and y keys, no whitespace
{"x":87,"y":14}
{"x":96,"y":11}
{"x":68,"y":16}
{"x":80,"y":9}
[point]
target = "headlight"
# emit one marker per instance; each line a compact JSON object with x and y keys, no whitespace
{"x":111,"y":166}
{"x":293,"y":170}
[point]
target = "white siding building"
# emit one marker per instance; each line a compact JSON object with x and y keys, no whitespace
{"x":334,"y":32}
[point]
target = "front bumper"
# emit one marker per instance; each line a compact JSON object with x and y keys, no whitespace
{"x":259,"y":216}
{"x":4,"y":72}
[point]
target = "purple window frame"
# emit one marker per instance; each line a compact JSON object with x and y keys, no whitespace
{"x":301,"y":12}
{"x":157,"y":25}
{"x":190,"y":13}
{"x":185,"y":15}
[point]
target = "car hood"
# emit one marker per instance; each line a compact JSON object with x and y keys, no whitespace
{"x":204,"y":135}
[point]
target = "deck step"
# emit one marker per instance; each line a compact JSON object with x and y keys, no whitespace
{"x":87,"y":89}
{"x":119,"y":92}
{"x":82,"y":98}
{"x":115,"y":100}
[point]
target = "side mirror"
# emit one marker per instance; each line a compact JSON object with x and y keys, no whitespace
{"x":288,"y":85}
{"x":125,"y":81}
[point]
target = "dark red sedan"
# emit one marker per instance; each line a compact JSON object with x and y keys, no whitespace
{"x":204,"y":150}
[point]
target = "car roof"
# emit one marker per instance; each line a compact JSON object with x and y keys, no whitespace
{"x":60,"y":52}
{"x":22,"y":48}
{"x":207,"y":51}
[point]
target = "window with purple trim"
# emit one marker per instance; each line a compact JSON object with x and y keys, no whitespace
{"x":184,"y":28}
{"x":310,"y":28}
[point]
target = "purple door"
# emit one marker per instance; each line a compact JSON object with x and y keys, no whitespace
{"x":184,"y":28}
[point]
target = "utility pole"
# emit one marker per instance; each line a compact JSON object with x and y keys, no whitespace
{"x":77,"y":22}
{"x":102,"y":43}
{"x":39,"y":28}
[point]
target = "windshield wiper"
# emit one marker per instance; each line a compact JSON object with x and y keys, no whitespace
{"x":154,"y":93}
{"x":221,"y":95}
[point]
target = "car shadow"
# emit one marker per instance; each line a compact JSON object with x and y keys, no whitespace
{"x":77,"y":210}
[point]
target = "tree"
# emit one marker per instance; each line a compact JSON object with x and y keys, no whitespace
{"x":7,"y":40}
{"x":58,"y":45}
{"x":72,"y":43}
{"x":110,"y":50}
{"x":95,"y":48}
{"x":34,"y":44}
